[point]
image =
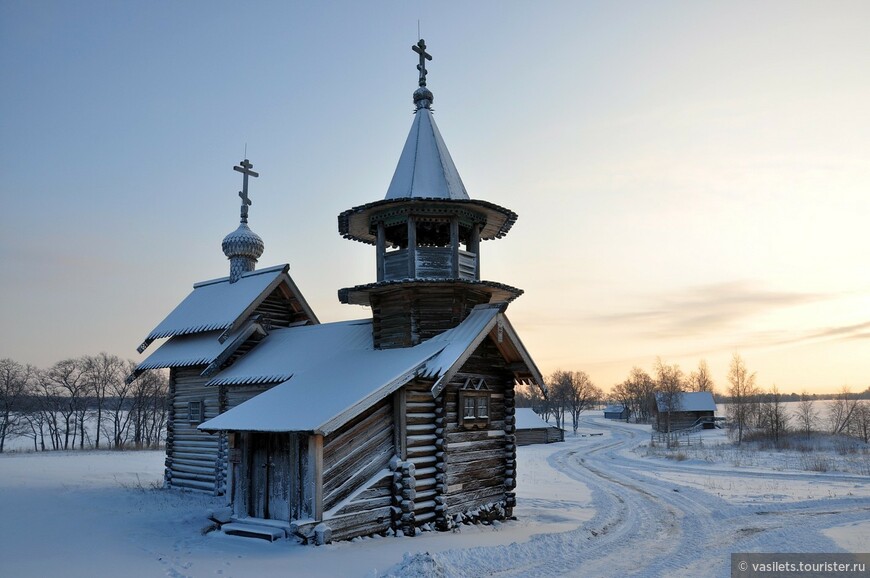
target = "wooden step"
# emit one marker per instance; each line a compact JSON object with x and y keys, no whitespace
{"x":246,"y":530}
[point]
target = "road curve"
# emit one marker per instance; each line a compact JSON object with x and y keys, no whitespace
{"x":647,"y":526}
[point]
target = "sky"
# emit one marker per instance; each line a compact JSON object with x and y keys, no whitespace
{"x":691,"y":178}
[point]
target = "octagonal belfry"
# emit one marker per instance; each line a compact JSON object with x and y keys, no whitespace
{"x":427,"y":233}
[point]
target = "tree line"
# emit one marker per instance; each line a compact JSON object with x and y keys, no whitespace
{"x":568,"y":392}
{"x":756,"y":413}
{"x":751,"y":410}
{"x":56,"y":406}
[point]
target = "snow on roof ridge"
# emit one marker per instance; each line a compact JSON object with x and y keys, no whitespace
{"x":284,"y":266}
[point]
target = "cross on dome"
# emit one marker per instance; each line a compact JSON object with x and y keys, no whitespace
{"x":420,"y":48}
{"x":245,"y":167}
{"x":243,"y":246}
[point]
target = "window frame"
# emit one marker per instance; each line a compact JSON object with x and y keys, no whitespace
{"x":195,"y":412}
{"x":475,"y":395}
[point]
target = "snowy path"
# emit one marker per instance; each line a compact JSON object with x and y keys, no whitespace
{"x":649,"y":523}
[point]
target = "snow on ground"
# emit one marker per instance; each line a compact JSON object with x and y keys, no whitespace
{"x":591,"y":506}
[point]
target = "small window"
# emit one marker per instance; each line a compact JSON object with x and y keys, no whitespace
{"x":474,"y":397}
{"x":469,"y":408}
{"x":483,"y":407}
{"x":195,"y":411}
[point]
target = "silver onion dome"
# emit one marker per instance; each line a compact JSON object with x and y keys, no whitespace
{"x":243,"y":242}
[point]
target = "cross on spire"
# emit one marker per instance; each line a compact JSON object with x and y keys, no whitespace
{"x":420,"y":48}
{"x":245,"y":167}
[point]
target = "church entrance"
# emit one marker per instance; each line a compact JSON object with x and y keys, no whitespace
{"x":273,"y":462}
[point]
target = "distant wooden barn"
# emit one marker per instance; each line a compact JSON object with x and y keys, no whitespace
{"x":335,"y":430}
{"x":616,"y":412}
{"x":531,"y":429}
{"x":688,"y":409}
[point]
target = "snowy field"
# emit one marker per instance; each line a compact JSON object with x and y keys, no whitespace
{"x":591,"y":506}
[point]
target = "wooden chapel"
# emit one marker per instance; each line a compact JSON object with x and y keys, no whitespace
{"x":390,"y":424}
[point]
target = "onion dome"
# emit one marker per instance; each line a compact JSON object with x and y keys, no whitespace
{"x":243,"y":242}
{"x":423,"y":97}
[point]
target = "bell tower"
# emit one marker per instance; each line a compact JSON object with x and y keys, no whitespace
{"x":427,"y":233}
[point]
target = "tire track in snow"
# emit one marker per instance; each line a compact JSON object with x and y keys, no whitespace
{"x":646,"y":526}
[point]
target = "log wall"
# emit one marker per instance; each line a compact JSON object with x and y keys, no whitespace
{"x":408,"y":316}
{"x":357,"y":492}
{"x":679,"y":419}
{"x":542,"y":435}
{"x":280,"y":310}
{"x":194,"y":459}
{"x":421,"y":448}
{"x":479,"y":463}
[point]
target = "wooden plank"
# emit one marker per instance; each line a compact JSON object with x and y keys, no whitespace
{"x":465,"y":501}
{"x":400,"y":421}
{"x":334,"y":492}
{"x":489,"y":474}
{"x":337,"y":444}
{"x":348,"y":469}
{"x":347,"y":443}
{"x":315,"y":463}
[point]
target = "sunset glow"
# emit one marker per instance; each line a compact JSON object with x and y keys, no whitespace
{"x":692,"y":179}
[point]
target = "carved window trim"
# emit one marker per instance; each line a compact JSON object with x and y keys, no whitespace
{"x":474,"y":404}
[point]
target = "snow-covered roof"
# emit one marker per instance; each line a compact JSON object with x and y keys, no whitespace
{"x":331,"y":372}
{"x":219,"y":305}
{"x":614,"y":409}
{"x":324,"y":394}
{"x":462,"y":339}
{"x":293,"y":350}
{"x":184,"y":351}
{"x":689,"y":401}
{"x":526,"y":418}
{"x":425,"y":168}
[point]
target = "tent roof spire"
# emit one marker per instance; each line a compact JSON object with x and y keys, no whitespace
{"x":425,"y":168}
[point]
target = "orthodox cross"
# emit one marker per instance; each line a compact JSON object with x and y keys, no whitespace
{"x":245,"y":168}
{"x":420,"y":48}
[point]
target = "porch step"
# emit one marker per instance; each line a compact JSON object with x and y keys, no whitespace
{"x":248,"y":530}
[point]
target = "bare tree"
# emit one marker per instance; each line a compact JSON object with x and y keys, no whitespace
{"x":701,"y":380}
{"x":148,"y":410}
{"x":638,"y":391}
{"x":807,"y":414}
{"x":773,"y":416}
{"x":35,"y":425}
{"x":861,"y":421}
{"x":742,"y":391}
{"x":70,"y":387}
{"x":841,"y":410}
{"x":669,"y":389}
{"x":118,"y":408}
{"x":529,"y":395}
{"x":583,"y":395}
{"x":559,"y":396}
{"x":101,"y":372}
{"x":623,"y":394}
{"x":14,"y":382}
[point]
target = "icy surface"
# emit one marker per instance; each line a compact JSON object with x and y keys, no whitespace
{"x":591,"y":506}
